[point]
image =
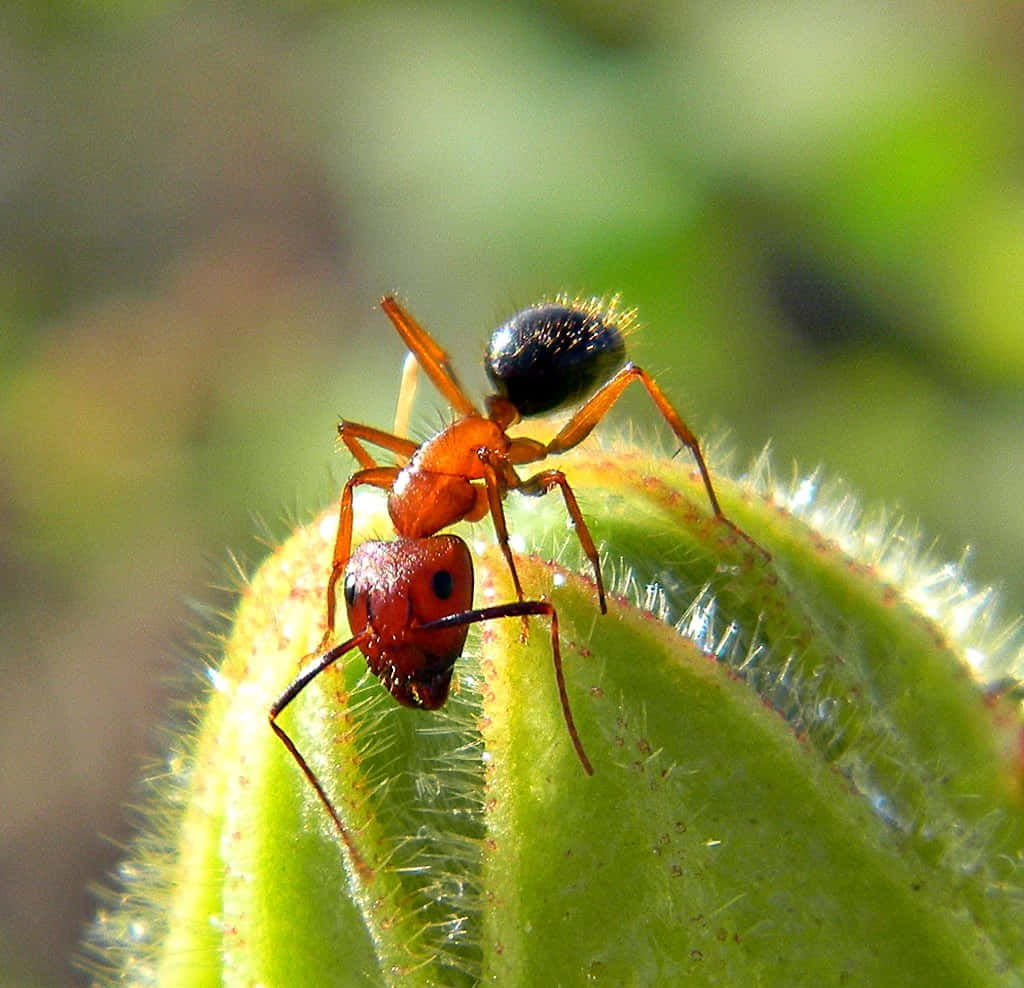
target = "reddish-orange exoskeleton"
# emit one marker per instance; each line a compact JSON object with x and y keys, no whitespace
{"x":409,"y":600}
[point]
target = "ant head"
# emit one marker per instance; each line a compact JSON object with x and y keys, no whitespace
{"x":394,"y":588}
{"x":553,"y":354}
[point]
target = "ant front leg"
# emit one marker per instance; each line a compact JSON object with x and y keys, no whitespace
{"x":543,"y":482}
{"x":353,"y":435}
{"x":382,"y":477}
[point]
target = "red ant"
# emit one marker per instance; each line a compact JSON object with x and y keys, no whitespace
{"x":409,"y":601}
{"x":542,"y":359}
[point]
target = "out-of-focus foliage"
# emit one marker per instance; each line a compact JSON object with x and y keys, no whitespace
{"x":815,"y":207}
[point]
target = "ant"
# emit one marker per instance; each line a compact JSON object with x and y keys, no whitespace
{"x":543,"y":358}
{"x":409,"y":600}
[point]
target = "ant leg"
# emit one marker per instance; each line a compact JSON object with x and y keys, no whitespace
{"x":297,"y":685}
{"x":525,"y":608}
{"x":580,"y":425}
{"x":595,"y":409}
{"x":431,"y":357}
{"x":495,"y":485}
{"x":406,"y":397}
{"x":353,"y":435}
{"x":543,"y":482}
{"x":525,"y":450}
{"x":495,"y":490}
{"x":382,"y":477}
{"x":494,"y":504}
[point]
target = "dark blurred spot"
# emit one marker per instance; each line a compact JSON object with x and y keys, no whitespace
{"x":824,"y":311}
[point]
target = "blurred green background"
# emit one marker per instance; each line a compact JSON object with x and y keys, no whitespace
{"x":818,"y":209}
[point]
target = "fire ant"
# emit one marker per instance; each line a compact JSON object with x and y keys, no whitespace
{"x":409,"y":600}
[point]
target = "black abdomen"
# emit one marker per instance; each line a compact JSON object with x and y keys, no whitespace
{"x":550,"y":355}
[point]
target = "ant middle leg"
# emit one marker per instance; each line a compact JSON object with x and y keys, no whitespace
{"x":538,"y":485}
{"x":432,"y":358}
{"x":495,"y":485}
{"x":406,"y":397}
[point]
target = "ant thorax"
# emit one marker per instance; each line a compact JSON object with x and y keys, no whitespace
{"x":436,"y":487}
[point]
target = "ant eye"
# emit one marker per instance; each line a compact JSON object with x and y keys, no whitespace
{"x":442,"y":584}
{"x":350,"y":589}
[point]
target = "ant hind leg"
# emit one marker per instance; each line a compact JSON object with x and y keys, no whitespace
{"x":598,"y":405}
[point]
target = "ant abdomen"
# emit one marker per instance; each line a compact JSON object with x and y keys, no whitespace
{"x":551,"y":355}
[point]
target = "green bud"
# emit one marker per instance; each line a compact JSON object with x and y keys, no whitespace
{"x":800,"y":774}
